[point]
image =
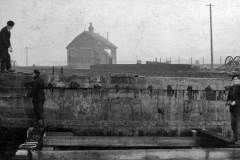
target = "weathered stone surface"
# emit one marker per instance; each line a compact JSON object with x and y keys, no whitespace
{"x":120,"y":141}
{"x":156,"y":154}
{"x":159,"y":110}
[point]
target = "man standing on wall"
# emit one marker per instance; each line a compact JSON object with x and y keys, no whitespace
{"x":38,"y":97}
{"x":6,"y":47}
{"x":233,"y":100}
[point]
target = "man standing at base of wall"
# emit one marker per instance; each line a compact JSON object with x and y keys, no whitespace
{"x":38,"y":97}
{"x":233,"y":100}
{"x":6,"y":47}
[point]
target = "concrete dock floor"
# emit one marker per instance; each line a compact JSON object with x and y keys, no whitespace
{"x":142,"y":154}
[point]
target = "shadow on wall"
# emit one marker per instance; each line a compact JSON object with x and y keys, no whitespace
{"x":207,"y":94}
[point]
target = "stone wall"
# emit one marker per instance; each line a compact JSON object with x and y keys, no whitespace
{"x":158,"y":110}
{"x":136,"y":112}
{"x":182,"y":83}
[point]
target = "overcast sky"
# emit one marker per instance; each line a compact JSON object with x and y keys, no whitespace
{"x":141,"y":29}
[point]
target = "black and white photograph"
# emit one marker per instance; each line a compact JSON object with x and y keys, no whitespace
{"x":119,"y":80}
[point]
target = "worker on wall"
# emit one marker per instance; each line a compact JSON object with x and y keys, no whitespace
{"x":6,"y":47}
{"x":38,"y":97}
{"x":233,"y":100}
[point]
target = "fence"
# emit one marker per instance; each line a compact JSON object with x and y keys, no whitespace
{"x":188,"y":60}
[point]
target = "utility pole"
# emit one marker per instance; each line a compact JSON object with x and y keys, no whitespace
{"x":26,"y":48}
{"x":211,"y":38}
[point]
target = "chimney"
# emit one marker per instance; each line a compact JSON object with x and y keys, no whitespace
{"x":90,"y":28}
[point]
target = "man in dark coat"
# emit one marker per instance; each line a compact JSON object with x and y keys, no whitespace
{"x":5,"y":46}
{"x":38,"y":96}
{"x":233,"y":101}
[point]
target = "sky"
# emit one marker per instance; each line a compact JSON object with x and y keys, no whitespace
{"x":141,"y":29}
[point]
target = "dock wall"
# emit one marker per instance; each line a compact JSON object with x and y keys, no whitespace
{"x":167,"y":107}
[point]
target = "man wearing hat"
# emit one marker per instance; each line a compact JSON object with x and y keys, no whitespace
{"x":233,"y":100}
{"x":38,"y":96}
{"x":5,"y":46}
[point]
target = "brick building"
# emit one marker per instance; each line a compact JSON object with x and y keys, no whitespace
{"x":90,"y":48}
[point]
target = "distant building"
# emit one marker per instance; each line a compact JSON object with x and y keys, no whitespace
{"x":90,"y":48}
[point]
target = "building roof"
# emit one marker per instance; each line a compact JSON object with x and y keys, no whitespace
{"x":97,"y":37}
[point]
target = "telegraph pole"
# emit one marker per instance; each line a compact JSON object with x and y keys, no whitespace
{"x":211,"y":38}
{"x":26,"y":56}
